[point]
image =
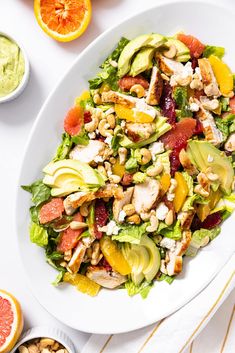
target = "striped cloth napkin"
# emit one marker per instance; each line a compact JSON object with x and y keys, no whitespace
{"x":176,"y":332}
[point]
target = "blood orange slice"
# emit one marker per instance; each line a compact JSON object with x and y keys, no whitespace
{"x":63,"y":20}
{"x":11,"y":321}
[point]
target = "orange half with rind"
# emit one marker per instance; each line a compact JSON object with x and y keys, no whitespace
{"x":63,"y":20}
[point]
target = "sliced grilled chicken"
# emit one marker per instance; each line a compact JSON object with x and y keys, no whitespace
{"x":186,"y":163}
{"x":183,"y":244}
{"x":211,"y":132}
{"x":175,"y":265}
{"x":73,"y":201}
{"x":129,"y":102}
{"x":115,"y":97}
{"x":186,"y":218}
{"x":144,"y":130}
{"x":174,"y":261}
{"x":118,"y":204}
{"x":107,"y":279}
{"x":77,"y":258}
{"x":155,"y":87}
{"x":208,"y":78}
{"x":169,"y":66}
{"x":145,"y":195}
{"x":87,"y":153}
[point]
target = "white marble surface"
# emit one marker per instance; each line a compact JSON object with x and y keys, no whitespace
{"x":49,"y":60}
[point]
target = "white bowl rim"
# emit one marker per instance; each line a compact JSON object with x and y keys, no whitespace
{"x":20,"y":88}
{"x":45,"y":332}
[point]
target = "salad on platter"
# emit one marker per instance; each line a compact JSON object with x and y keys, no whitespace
{"x":144,"y":173}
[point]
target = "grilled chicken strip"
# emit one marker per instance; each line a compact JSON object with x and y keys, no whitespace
{"x":105,"y":278}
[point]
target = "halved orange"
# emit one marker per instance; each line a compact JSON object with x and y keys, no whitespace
{"x":11,"y":321}
{"x":63,"y":20}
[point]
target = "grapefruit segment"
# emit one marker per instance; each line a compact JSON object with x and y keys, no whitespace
{"x":11,"y":321}
{"x":180,"y":133}
{"x":195,"y":46}
{"x":51,"y":210}
{"x":69,"y":237}
{"x":63,"y":20}
{"x":74,"y":120}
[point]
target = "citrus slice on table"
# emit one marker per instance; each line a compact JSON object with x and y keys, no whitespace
{"x":11,"y":321}
{"x":63,"y":20}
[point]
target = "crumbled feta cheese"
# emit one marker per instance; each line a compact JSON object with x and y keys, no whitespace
{"x":161,"y":211}
{"x":98,"y":159}
{"x":112,"y":228}
{"x":210,"y":158}
{"x":182,"y":72}
{"x":142,"y":106}
{"x":168,"y":243}
{"x":91,"y":135}
{"x":123,"y":124}
{"x":197,"y":73}
{"x":170,"y":196}
{"x":156,"y":148}
{"x":121,"y":216}
{"x":108,"y":140}
{"x":194,"y":107}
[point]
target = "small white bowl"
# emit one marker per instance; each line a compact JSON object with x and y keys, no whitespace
{"x":19,"y":89}
{"x":46,"y":332}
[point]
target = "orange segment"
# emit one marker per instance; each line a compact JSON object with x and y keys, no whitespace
{"x":114,"y":256}
{"x":82,"y":283}
{"x":11,"y":321}
{"x":132,"y":115}
{"x":223,"y":74}
{"x":63,"y":20}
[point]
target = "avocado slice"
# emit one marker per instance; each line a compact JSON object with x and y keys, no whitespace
{"x":138,"y":258}
{"x":86,"y":173}
{"x":144,"y":259}
{"x":204,"y":155}
{"x":145,"y":40}
{"x":155,"y":259}
{"x":142,"y":61}
{"x":183,"y":52}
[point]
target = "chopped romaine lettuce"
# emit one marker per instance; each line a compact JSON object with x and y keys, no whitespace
{"x":188,"y":204}
{"x":189,"y":181}
{"x":226,"y":125}
{"x":59,"y":278}
{"x":200,"y":238}
{"x":227,"y":203}
{"x":213,"y":50}
{"x":142,"y":289}
{"x":64,"y":148}
{"x":180,"y":95}
{"x":139,"y":178}
{"x":164,"y":277}
{"x":40,"y":192}
{"x":109,"y":71}
{"x":164,"y":158}
{"x":131,"y":164}
{"x":130,"y":233}
{"x":81,"y":139}
{"x":38,"y":235}
{"x":162,"y":126}
{"x":173,"y":232}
